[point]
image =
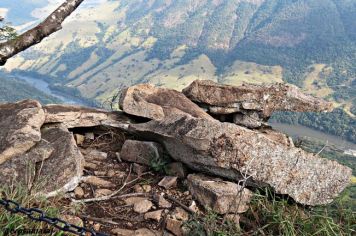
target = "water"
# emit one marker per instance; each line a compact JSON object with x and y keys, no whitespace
{"x":44,"y":87}
{"x":302,"y":131}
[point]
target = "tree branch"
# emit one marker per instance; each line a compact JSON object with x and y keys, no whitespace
{"x":35,"y":35}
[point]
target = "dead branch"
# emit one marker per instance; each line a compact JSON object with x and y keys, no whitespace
{"x":35,"y":35}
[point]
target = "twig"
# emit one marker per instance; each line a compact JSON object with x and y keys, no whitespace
{"x":181,"y":204}
{"x":108,"y":197}
{"x":326,"y":144}
{"x":100,"y":220}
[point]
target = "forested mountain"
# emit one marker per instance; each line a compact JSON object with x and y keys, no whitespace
{"x":310,"y":43}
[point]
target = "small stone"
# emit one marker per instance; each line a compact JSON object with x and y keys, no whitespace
{"x":123,"y":232}
{"x":193,"y":206}
{"x":132,"y":200}
{"x":102,"y":192}
{"x":145,"y":232}
{"x":89,"y":165}
{"x":89,"y":136}
{"x":138,"y":189}
{"x":75,"y":220}
{"x":96,"y":181}
{"x":139,"y":169}
{"x":168,"y":182}
{"x":141,"y":152}
{"x":79,"y":192}
{"x":97,"y":227}
{"x":93,"y":154}
{"x":174,"y":226}
{"x":180,"y":214}
{"x":176,"y":169}
{"x":79,"y":139}
{"x":143,"y":206}
{"x":100,"y":173}
{"x":111,"y":173}
{"x":147,"y":188}
{"x":163,"y":203}
{"x":154,"y":215}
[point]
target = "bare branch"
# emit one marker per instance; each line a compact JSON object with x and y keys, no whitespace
{"x":35,"y":35}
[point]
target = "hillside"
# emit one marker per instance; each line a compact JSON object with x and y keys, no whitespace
{"x":12,"y":90}
{"x":311,"y":43}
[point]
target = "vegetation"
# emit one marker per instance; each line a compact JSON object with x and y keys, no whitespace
{"x":19,"y":224}
{"x":12,"y":89}
{"x":270,"y":214}
{"x":337,"y":122}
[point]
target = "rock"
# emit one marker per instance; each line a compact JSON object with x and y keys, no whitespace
{"x":138,"y":189}
{"x":76,"y":116}
{"x":146,"y":188}
{"x":102,"y":192}
{"x":154,"y":215}
{"x":176,"y":169}
{"x":174,"y":226}
{"x":79,"y":192}
{"x":123,"y":232}
{"x":132,"y":200}
{"x":91,"y":166}
{"x":146,"y":232}
{"x":100,"y":173}
{"x":138,"y":232}
{"x":99,"y":182}
{"x":95,"y":155}
{"x":90,"y":136}
{"x":168,"y":182}
{"x":21,"y":169}
{"x":141,"y":152}
{"x":227,"y":150}
{"x":193,"y":206}
{"x":249,"y":119}
{"x":145,"y":100}
{"x":79,"y":139}
{"x":220,"y":196}
{"x":63,"y":170}
{"x":163,"y":203}
{"x":263,"y":98}
{"x":20,"y":125}
{"x":142,"y":206}
{"x":223,"y":110}
{"x":139,"y":169}
{"x":75,"y":220}
{"x":180,"y":214}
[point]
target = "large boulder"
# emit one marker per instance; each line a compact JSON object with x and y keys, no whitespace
{"x":145,"y":100}
{"x":230,"y":151}
{"x":20,"y":125}
{"x":76,"y":116}
{"x":63,"y":170}
{"x":266,"y":99}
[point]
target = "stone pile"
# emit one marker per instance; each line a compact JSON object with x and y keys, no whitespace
{"x":181,"y":134}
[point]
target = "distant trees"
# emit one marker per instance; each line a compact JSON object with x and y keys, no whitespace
{"x":11,"y":43}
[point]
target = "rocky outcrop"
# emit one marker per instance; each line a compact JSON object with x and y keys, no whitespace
{"x":20,"y":125}
{"x":147,"y":101}
{"x":252,"y":104}
{"x":77,"y":116}
{"x":228,"y":150}
{"x":221,"y":196}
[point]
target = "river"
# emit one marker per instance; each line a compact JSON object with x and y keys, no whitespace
{"x":302,"y":131}
{"x":44,"y":87}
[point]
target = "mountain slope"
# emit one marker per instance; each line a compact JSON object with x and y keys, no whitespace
{"x":171,"y":43}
